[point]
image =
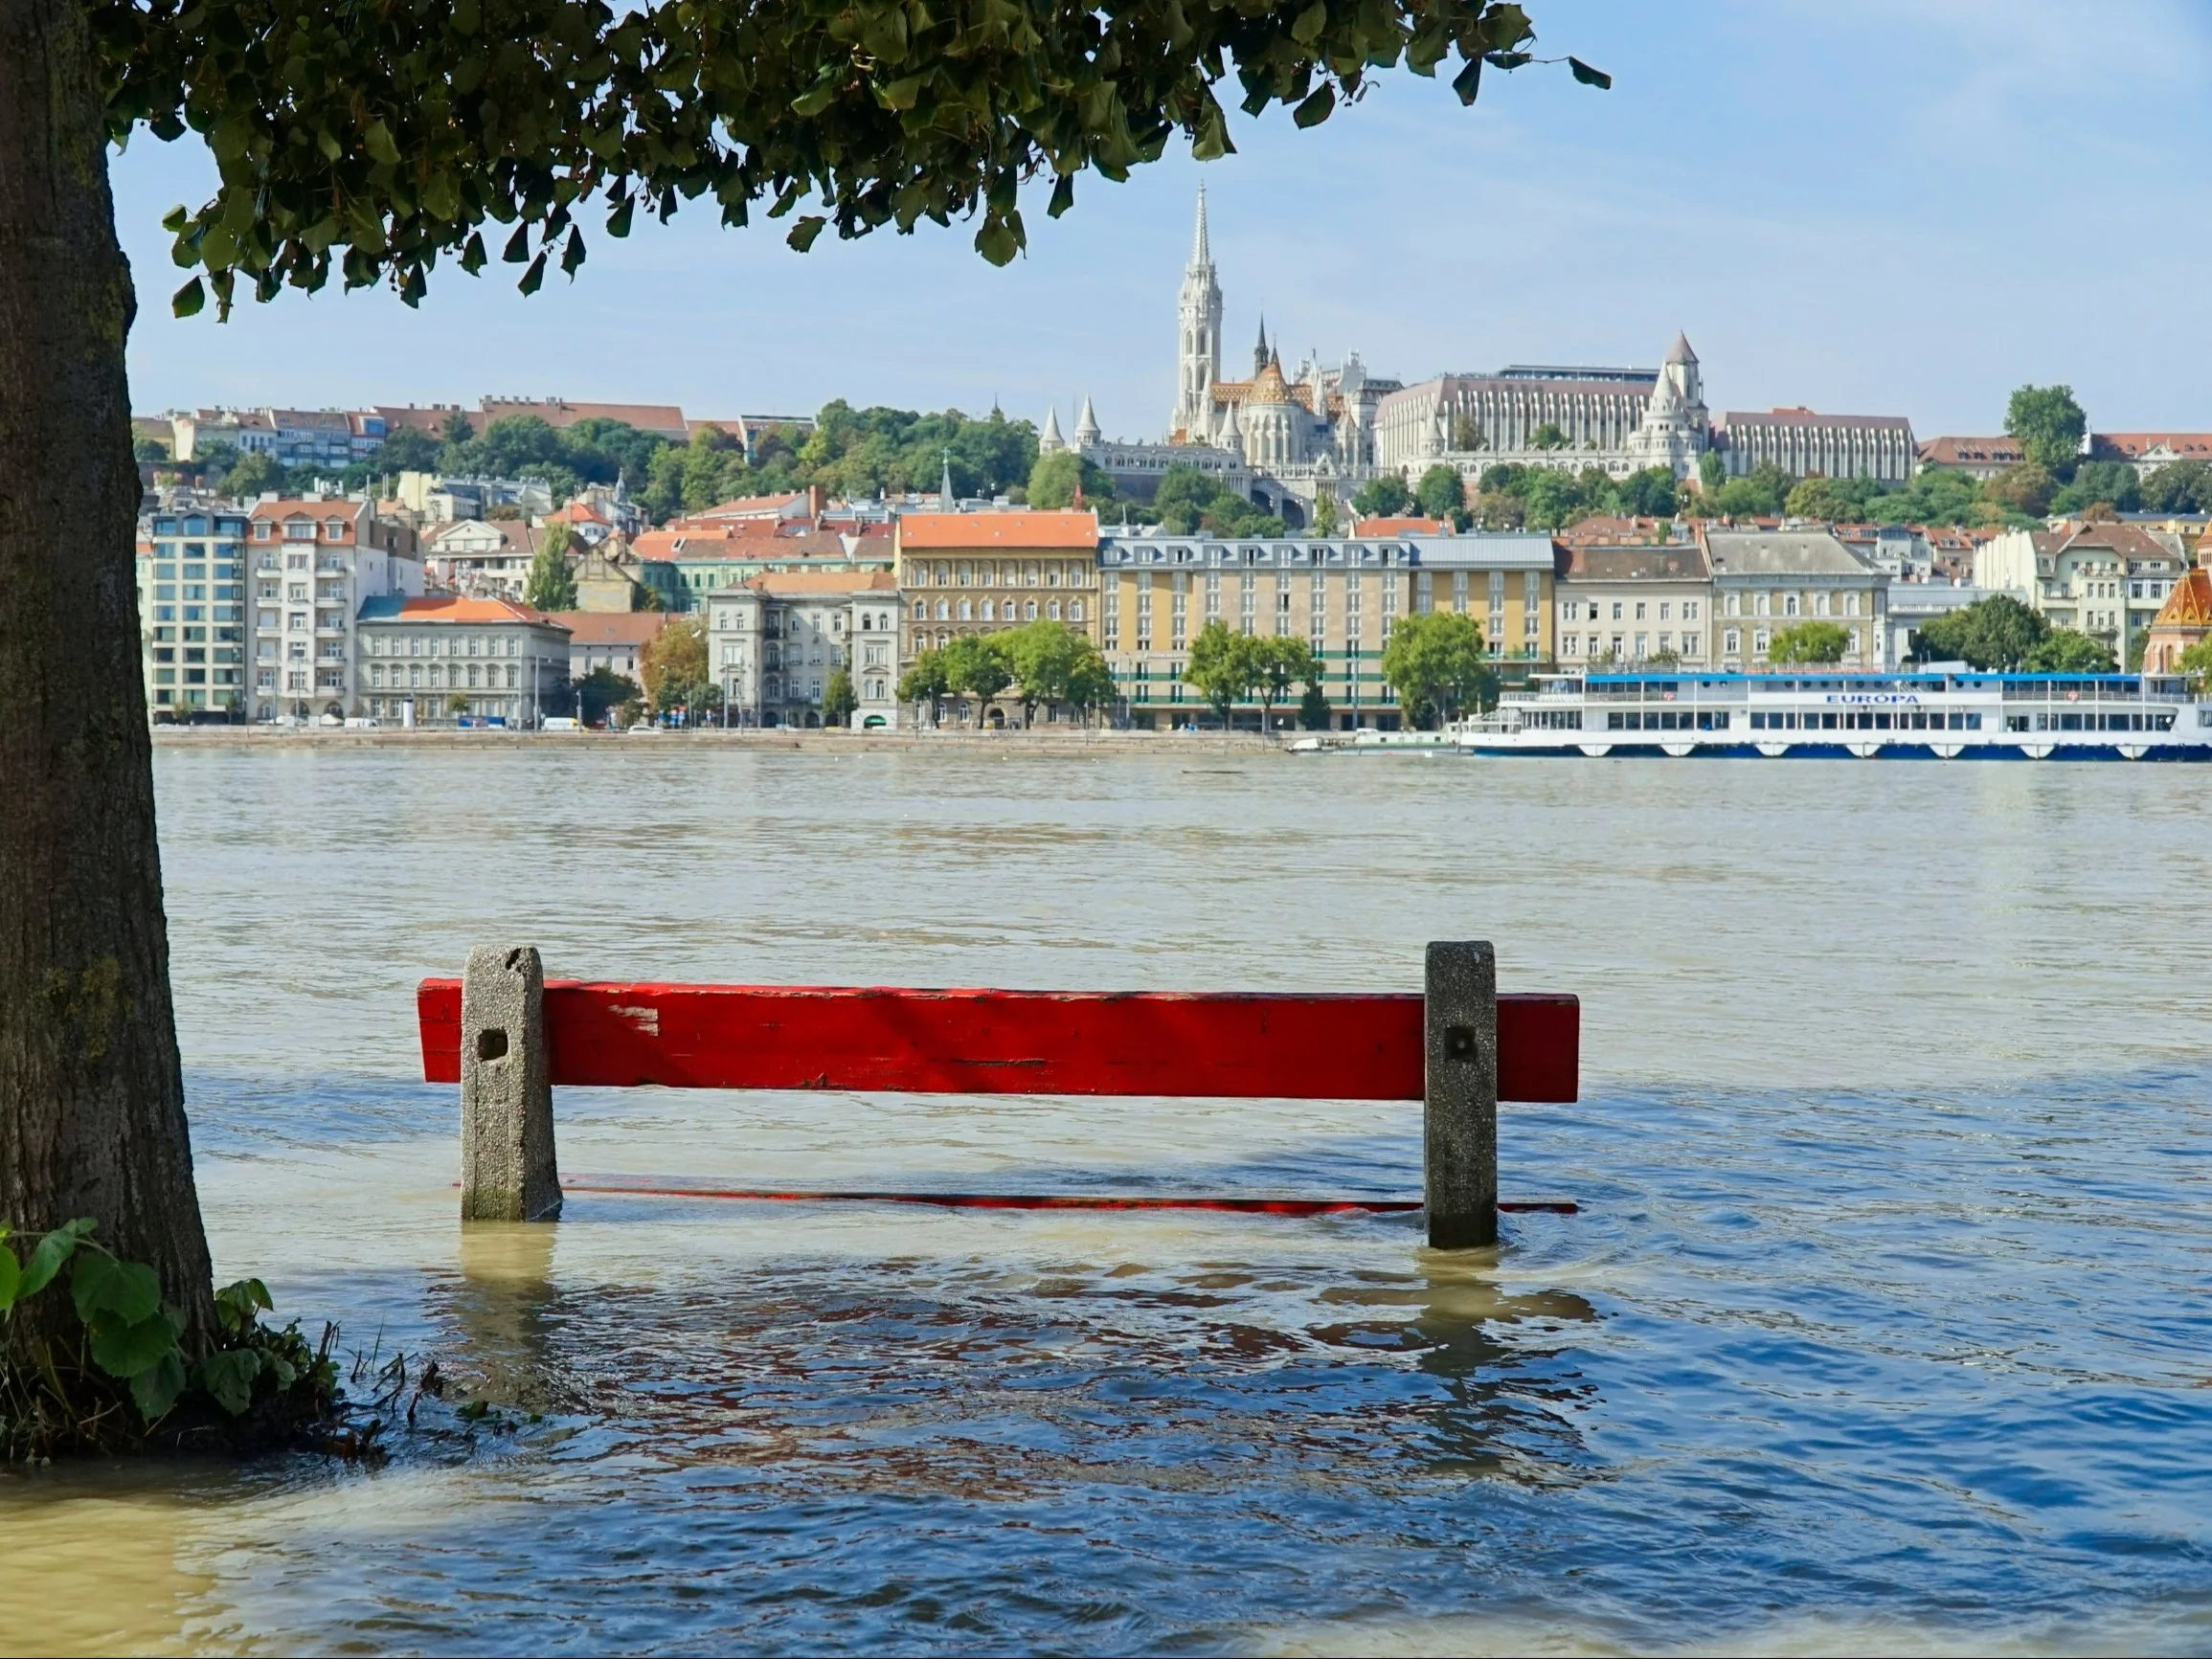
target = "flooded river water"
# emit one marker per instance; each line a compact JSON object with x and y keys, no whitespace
{"x":1883,"y":1323}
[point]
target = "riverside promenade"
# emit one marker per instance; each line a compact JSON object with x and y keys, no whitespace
{"x":1050,"y":742}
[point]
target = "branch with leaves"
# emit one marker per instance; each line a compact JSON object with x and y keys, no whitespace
{"x":370,"y":139}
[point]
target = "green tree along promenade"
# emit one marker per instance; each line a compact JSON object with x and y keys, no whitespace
{"x":1436,"y":663}
{"x":838,"y":700}
{"x":367,"y":146}
{"x":2001,"y":634}
{"x":1226,"y":667}
{"x":1808,"y":644}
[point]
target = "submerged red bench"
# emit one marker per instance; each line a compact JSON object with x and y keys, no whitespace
{"x":506,"y":1036}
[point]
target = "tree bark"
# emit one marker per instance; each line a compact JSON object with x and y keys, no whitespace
{"x":92,"y":1120}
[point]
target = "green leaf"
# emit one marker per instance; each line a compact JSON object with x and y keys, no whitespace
{"x":1316,"y":107}
{"x":803,"y":232}
{"x":236,"y":1303}
{"x":997,"y":242}
{"x":1505,"y":60}
{"x":126,"y":1350}
{"x":1310,"y":23}
{"x":124,"y":1291}
{"x":1590,"y":77}
{"x":619,"y":221}
{"x":573,"y":255}
{"x":155,"y":1389}
{"x":1063,"y":195}
{"x":175,"y":219}
{"x":472,"y":257}
{"x":10,"y":1275}
{"x":228,"y":1377}
{"x":190,"y":300}
{"x":379,"y":140}
{"x":45,"y":1261}
{"x":1469,"y":81}
{"x":534,"y":279}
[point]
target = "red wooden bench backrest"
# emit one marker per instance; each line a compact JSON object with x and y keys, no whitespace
{"x":1231,"y":1044}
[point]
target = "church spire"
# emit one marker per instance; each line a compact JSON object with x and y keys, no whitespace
{"x":1200,"y":252}
{"x":1259,"y":351}
{"x":946,"y":502}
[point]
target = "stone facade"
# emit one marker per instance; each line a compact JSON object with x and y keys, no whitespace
{"x":773,"y":641}
{"x":1624,"y":607}
{"x":978,"y":572}
{"x":426,"y":660}
{"x":1159,"y":592}
{"x":1764,"y":581}
{"x":2105,"y":580}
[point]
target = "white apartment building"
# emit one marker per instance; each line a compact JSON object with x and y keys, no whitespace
{"x":2107,"y":581}
{"x":191,"y":608}
{"x":486,"y":558}
{"x":311,"y":566}
{"x":773,"y":641}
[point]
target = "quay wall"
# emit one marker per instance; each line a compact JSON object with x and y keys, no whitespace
{"x":1010,"y":743}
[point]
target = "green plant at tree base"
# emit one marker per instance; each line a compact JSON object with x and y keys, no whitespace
{"x":262,"y":1384}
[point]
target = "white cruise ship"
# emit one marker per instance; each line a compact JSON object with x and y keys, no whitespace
{"x":1939,"y":714}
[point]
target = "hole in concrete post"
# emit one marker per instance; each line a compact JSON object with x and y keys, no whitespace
{"x":1458,"y":1042}
{"x":491,"y":1044}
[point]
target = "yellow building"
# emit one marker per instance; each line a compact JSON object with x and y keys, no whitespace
{"x":1158,"y":591}
{"x":977,"y":572}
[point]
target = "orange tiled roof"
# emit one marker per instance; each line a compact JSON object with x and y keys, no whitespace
{"x":777,"y":582}
{"x":452,"y":608}
{"x":314,"y":510}
{"x":990,"y":532}
{"x":1397,"y":526}
{"x":2190,"y":604}
{"x":612,"y":627}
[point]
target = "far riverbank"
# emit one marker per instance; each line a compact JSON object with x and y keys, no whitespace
{"x":1045,"y":743}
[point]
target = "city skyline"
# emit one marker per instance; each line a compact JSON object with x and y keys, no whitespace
{"x":1888,"y":246}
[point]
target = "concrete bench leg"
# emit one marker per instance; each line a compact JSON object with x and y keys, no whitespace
{"x":508,"y":1172}
{"x":1459,"y":1107}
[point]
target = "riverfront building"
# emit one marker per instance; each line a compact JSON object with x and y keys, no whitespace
{"x":1158,"y":593}
{"x":428,"y":659}
{"x":1631,"y":605}
{"x":314,"y":565}
{"x":977,"y":572}
{"x":1766,"y":581}
{"x":191,"y":610}
{"x":2105,"y":580}
{"x":774,"y":643}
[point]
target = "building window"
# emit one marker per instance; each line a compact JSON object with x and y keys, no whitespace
{"x":1731,"y":643}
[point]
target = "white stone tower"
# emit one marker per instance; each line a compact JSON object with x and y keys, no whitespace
{"x":1197,"y":339}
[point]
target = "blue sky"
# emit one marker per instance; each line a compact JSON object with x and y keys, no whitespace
{"x":1866,"y":205}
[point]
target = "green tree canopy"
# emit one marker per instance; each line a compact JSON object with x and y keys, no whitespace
{"x":1054,"y":481}
{"x":1045,"y":657}
{"x":2196,"y":662}
{"x":2112,"y":483}
{"x":2180,"y":486}
{"x":926,"y":681}
{"x":2025,"y":489}
{"x":1442,"y":492}
{"x":2066,"y":651}
{"x":1222,"y":666}
{"x":1381,"y":498}
{"x":977,"y":664}
{"x":674,"y":664}
{"x":1436,"y":665}
{"x":1650,"y":493}
{"x":1808,"y":643}
{"x":2049,"y":425}
{"x":552,"y":585}
{"x":1188,"y":501}
{"x":1548,"y":436}
{"x":603,"y":690}
{"x":838,"y":699}
{"x":1278,"y":664}
{"x":1995,"y":633}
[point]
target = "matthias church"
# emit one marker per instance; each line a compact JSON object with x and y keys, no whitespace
{"x":1284,"y":439}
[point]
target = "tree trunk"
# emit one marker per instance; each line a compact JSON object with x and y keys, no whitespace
{"x":92,"y":1118}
